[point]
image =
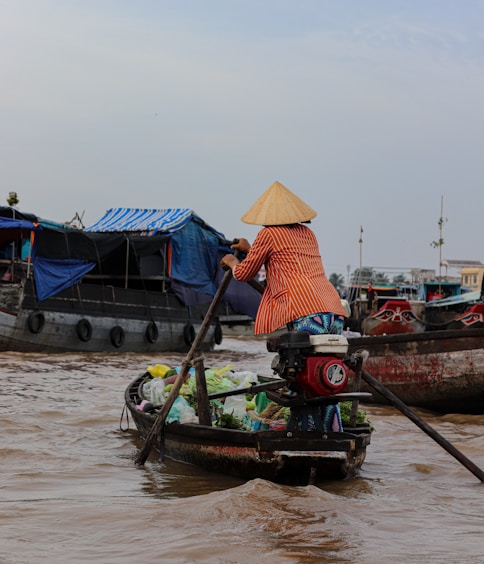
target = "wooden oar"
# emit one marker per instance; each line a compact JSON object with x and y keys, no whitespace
{"x":252,"y":389}
{"x":394,"y":400}
{"x":203,"y":402}
{"x":157,"y":427}
{"x":355,"y":404}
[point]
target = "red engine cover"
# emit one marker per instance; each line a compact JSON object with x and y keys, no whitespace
{"x":323,"y":376}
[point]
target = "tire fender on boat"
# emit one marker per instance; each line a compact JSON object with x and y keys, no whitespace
{"x":84,"y":330}
{"x":117,"y":336}
{"x":36,"y":321}
{"x":188,"y":334}
{"x":151,"y":332}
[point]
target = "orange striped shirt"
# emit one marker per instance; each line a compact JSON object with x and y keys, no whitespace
{"x":296,"y":281}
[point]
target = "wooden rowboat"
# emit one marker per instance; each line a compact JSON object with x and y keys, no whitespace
{"x":282,"y":456}
{"x":441,"y":371}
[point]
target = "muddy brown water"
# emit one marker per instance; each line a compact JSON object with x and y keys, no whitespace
{"x":70,"y":491}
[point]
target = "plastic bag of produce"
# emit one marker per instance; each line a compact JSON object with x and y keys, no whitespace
{"x":236,"y":406}
{"x":158,"y":370}
{"x":243,"y":379}
{"x":181,"y":412}
{"x":153,"y":391}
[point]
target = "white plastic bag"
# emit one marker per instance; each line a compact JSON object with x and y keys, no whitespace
{"x":244,"y":379}
{"x":181,"y":412}
{"x":153,"y":391}
{"x":236,"y":406}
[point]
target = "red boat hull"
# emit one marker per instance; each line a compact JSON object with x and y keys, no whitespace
{"x":440,"y":370}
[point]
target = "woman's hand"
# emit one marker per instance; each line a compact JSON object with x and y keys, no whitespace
{"x":241,"y":245}
{"x":229,"y":261}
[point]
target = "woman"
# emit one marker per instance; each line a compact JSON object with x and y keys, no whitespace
{"x":297,"y":293}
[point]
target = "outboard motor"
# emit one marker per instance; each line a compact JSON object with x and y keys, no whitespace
{"x":313,"y":364}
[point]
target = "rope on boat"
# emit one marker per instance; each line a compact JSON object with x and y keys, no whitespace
{"x":193,"y":362}
{"x":437,"y":325}
{"x":125,"y":410}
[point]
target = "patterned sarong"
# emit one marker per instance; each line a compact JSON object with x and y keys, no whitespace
{"x":319,"y":323}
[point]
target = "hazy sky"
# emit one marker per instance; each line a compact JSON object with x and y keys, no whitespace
{"x":370,"y":110}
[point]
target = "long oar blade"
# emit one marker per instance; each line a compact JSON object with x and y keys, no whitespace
{"x":394,"y":400}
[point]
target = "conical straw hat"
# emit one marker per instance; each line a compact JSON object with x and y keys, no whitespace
{"x":278,"y":206}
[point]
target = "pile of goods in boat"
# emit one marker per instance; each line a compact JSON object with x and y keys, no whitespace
{"x":240,"y":411}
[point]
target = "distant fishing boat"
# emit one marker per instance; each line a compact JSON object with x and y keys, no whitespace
{"x":442,"y":371}
{"x":393,"y":317}
{"x":462,"y":311}
{"x":430,"y":306}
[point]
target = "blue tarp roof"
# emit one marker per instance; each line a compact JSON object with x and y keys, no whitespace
{"x":145,"y":221}
{"x":453,"y":300}
{"x":12,"y":229}
{"x":10,"y":223}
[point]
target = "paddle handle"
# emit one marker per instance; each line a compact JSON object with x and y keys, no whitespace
{"x":394,"y":400}
{"x":355,"y":404}
{"x":253,"y":389}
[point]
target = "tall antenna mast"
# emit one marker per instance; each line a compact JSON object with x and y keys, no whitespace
{"x":361,"y":250}
{"x":359,"y":272}
{"x":441,"y":240}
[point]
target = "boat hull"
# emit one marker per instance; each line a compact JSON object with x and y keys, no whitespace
{"x":441,"y":371}
{"x":91,"y":318}
{"x":393,"y":317}
{"x":297,"y":458}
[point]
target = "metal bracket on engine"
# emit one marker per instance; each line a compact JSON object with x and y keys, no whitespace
{"x":292,"y":349}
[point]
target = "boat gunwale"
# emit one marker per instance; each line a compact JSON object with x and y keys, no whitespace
{"x":460,"y":334}
{"x":349,"y":439}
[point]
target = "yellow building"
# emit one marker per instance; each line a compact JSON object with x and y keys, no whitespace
{"x":471,"y":277}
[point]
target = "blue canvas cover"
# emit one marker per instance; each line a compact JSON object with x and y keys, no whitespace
{"x":54,"y":275}
{"x":19,"y":224}
{"x":194,"y":258}
{"x":12,"y":229}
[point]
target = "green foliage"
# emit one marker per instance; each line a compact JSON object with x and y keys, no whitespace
{"x":283,"y":413}
{"x":365,"y":275}
{"x":381,"y":278}
{"x":400,"y":279}
{"x":228,"y":421}
{"x":362,"y":275}
{"x":12,"y":199}
{"x":440,"y":242}
{"x":345,"y":409}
